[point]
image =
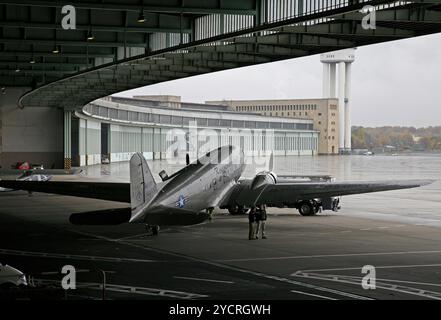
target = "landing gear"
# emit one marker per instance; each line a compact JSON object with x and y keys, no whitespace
{"x":153,"y":230}
{"x":307,"y":208}
{"x":237,"y":210}
{"x":209,"y":212}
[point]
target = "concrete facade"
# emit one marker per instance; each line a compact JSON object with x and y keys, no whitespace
{"x":30,"y":134}
{"x":323,"y":112}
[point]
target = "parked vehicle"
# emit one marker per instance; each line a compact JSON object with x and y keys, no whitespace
{"x":11,"y":277}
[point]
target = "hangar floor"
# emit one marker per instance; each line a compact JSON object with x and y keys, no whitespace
{"x":303,"y":258}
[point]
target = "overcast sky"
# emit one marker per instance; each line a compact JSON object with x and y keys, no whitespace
{"x":393,"y":83}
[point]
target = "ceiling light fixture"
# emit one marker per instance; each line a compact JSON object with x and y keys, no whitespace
{"x":141,"y":17}
{"x":90,"y":36}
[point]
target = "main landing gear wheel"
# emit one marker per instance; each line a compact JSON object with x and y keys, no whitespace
{"x":154,"y":230}
{"x":307,"y":208}
{"x":236,"y":210}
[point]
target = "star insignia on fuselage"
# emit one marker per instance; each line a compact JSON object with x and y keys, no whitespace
{"x":181,"y":201}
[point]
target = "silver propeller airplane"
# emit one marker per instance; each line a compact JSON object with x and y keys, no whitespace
{"x":189,"y":196}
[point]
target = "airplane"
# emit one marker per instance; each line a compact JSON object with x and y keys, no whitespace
{"x":189,"y":195}
{"x":28,"y":176}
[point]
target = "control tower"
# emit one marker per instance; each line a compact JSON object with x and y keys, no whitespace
{"x":342,"y":61}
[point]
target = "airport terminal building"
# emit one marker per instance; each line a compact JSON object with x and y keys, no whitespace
{"x":323,"y":113}
{"x":114,"y":128}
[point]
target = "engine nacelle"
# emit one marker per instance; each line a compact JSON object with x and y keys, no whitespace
{"x":263,"y":178}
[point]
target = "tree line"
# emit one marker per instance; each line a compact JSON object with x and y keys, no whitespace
{"x":402,"y":138}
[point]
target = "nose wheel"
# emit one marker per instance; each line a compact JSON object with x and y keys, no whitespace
{"x":153,"y":230}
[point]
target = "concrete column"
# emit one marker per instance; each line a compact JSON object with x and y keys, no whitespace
{"x":325,"y":85}
{"x":332,"y":75}
{"x":348,"y":146}
{"x":67,"y":140}
{"x":341,"y":104}
{"x":82,"y":144}
{"x":1,"y":122}
{"x":86,"y":141}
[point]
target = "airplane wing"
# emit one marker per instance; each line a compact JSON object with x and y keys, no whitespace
{"x":280,"y":194}
{"x":111,"y":191}
{"x":51,"y":172}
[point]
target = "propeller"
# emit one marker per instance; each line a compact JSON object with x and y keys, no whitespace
{"x":265,"y":177}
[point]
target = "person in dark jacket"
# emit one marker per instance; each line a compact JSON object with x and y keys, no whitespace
{"x":261,"y":220}
{"x":252,"y":224}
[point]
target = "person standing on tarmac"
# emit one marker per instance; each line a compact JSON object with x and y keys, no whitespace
{"x":261,"y":220}
{"x":252,"y":224}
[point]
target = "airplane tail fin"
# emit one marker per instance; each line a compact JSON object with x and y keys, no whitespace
{"x":143,"y":187}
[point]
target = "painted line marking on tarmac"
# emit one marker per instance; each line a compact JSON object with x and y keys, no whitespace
{"x":386,"y":286}
{"x":202,"y":279}
{"x":313,"y":295}
{"x":229,"y":267}
{"x":341,"y":255}
{"x":379,"y":267}
{"x":133,"y":236}
{"x":71,"y":256}
{"x":132,"y":290}
{"x":388,"y":280}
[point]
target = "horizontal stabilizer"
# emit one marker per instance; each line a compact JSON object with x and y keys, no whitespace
{"x":101,"y":217}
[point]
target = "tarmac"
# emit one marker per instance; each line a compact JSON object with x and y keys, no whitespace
{"x":319,"y":257}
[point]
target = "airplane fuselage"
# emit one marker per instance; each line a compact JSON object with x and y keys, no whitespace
{"x":188,"y":194}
